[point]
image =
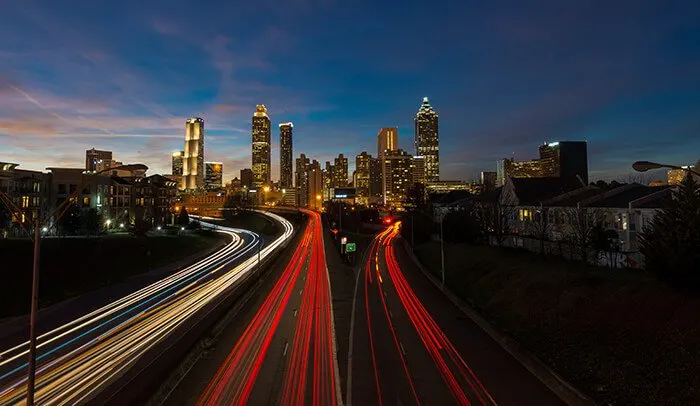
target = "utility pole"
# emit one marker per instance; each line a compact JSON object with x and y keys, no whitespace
{"x":32,"y":315}
{"x":442,"y":249}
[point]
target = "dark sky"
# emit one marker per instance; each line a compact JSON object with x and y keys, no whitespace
{"x":504,"y":76}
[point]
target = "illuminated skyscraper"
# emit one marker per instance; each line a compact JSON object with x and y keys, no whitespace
{"x":340,"y":172}
{"x":214,"y":175}
{"x":398,"y":175}
{"x":247,"y":178}
{"x":177,"y":162}
{"x":387,"y":139}
{"x":426,"y":140}
{"x":362,"y":178}
{"x":286,"y":155}
{"x":418,"y":170}
{"x":193,"y":161}
{"x":315,"y":186}
{"x":376,"y":167}
{"x":261,"y":147}
{"x":302,"y":181}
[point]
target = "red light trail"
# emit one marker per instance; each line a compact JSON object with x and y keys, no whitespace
{"x":312,"y":347}
{"x":461,"y":381}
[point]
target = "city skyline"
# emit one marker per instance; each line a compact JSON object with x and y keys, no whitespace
{"x":539,"y":79}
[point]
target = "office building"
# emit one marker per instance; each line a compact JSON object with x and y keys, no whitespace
{"x":177,"y":162}
{"x":93,"y":157}
{"x":447,"y":186}
{"x":302,"y":185}
{"x":214,"y":175}
{"x":362,"y":177}
{"x":286,"y":170}
{"x":247,"y":178}
{"x":418,"y":170}
{"x":340,"y":172}
{"x":261,"y":147}
{"x":488,"y":180}
{"x":387,"y":140}
{"x":27,"y":190}
{"x":568,"y":161}
{"x":398,"y":174}
{"x":426,"y":140}
{"x":193,"y":161}
{"x":376,"y":170}
{"x":314,"y":197}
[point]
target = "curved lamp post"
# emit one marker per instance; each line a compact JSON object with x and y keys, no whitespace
{"x":643,"y":166}
{"x":38,"y":227}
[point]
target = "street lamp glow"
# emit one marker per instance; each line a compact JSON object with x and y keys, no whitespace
{"x":318,"y":197}
{"x":44,"y":229}
{"x":159,"y":227}
{"x":182,"y":228}
{"x":284,"y":191}
{"x":266,"y":189}
{"x":108,"y":222}
{"x":121,"y":225}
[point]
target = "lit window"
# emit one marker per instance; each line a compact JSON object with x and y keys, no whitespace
{"x":25,"y":202}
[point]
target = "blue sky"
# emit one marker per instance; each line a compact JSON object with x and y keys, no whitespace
{"x":504,"y":76}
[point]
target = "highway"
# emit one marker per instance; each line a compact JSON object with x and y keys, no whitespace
{"x":411,"y":346}
{"x":282,"y":350}
{"x":79,"y":359}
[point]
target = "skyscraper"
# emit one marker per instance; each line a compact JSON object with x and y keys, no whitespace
{"x":193,"y":161}
{"x":426,"y":140}
{"x":247,"y":178}
{"x":214,"y":175}
{"x":376,"y":169}
{"x":340,"y":172}
{"x":177,"y":162}
{"x":398,"y":174}
{"x":286,"y":155}
{"x":418,"y":170}
{"x":387,"y":139}
{"x":569,"y":161}
{"x":362,"y":178}
{"x":93,"y":157}
{"x":261,"y":147}
{"x":314,"y":197}
{"x":302,"y":165}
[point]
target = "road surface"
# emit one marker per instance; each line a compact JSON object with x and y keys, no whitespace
{"x":411,"y":346}
{"x":83,"y":357}
{"x":283,"y":350}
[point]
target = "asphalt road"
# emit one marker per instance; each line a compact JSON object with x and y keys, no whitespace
{"x":81,"y":358}
{"x":280,"y":349}
{"x":411,"y":345}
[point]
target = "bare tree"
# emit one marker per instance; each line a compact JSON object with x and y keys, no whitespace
{"x":496,"y":220}
{"x":582,"y":223}
{"x":539,"y":227}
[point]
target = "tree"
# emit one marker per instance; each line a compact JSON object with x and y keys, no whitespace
{"x":670,"y":242}
{"x":582,"y":224}
{"x":496,"y":220}
{"x":539,"y":227}
{"x":69,"y":222}
{"x":90,"y":220}
{"x":461,"y":226}
{"x":605,"y":241}
{"x":183,"y":218}
{"x":416,"y":199}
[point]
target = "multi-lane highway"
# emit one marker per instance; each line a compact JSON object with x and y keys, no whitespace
{"x":411,"y":346}
{"x":282,"y":350}
{"x":83,"y":357}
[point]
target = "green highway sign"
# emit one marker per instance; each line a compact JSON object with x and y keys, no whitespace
{"x":350,"y":247}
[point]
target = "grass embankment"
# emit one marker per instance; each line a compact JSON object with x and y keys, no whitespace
{"x":252,"y":221}
{"x":71,"y":266}
{"x":620,"y":336}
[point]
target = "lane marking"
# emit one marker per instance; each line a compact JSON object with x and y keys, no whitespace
{"x":286,"y":347}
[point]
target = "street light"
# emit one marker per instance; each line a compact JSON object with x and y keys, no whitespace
{"x":57,"y":214}
{"x":643,"y":166}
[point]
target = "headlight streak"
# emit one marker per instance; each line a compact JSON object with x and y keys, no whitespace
{"x":145,"y":317}
{"x":310,"y":350}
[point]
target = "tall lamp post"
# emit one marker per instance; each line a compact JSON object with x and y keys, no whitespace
{"x":37,"y":223}
{"x":643,"y":166}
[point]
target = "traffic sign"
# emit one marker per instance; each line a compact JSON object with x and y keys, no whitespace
{"x":350,"y":247}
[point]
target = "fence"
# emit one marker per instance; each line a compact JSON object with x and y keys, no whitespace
{"x":565,"y":249}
